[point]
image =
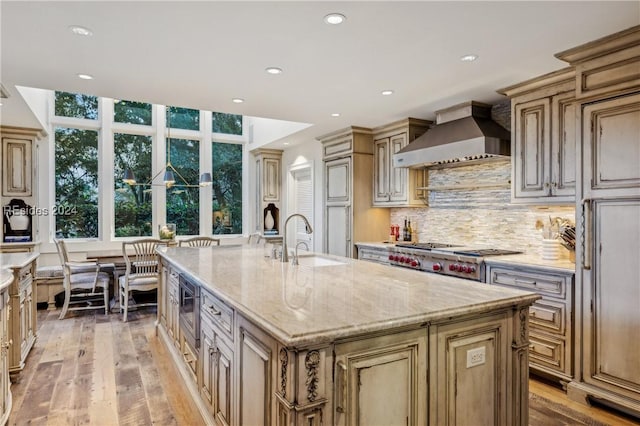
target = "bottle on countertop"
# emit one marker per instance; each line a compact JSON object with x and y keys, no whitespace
{"x":405,"y":231}
{"x":409,"y":232}
{"x":392,"y":234}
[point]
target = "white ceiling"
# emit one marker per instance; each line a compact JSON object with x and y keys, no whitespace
{"x":202,"y":54}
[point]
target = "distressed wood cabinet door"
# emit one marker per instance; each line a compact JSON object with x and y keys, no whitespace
{"x":382,"y":380}
{"x":16,"y":166}
{"x":5,"y":401}
{"x":381,"y":170}
{"x":611,"y":320}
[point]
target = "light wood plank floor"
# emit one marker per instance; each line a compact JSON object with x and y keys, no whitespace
{"x":94,"y":369}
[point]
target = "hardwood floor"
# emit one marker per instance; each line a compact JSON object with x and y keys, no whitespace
{"x":94,"y":369}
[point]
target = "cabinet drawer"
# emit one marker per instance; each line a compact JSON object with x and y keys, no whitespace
{"x":546,"y":351}
{"x":218,"y":312}
{"x":544,"y":283}
{"x":548,"y":315}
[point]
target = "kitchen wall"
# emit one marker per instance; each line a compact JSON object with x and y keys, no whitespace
{"x":481,"y":216}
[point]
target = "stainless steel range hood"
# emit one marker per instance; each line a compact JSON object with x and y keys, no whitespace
{"x":462,"y":133}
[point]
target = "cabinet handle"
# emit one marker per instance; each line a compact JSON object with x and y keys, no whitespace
{"x":586,"y":233}
{"x":341,"y":381}
{"x":213,"y":310}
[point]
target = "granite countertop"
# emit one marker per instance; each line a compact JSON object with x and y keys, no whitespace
{"x":6,"y":277}
{"x":562,"y":265}
{"x":17,"y":260}
{"x":301,"y":305}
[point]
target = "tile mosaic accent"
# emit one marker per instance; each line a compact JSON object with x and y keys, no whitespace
{"x":481,"y":216}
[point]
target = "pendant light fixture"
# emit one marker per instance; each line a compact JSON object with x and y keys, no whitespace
{"x":170,"y":173}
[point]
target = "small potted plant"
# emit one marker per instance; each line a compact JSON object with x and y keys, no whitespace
{"x":167,"y":232}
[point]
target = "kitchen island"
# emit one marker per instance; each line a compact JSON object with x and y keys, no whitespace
{"x":341,"y":341}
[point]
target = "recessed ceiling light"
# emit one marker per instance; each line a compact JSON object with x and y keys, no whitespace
{"x":0,"y":103}
{"x":387,"y":92}
{"x":85,"y":76}
{"x":81,"y":31}
{"x":335,"y":18}
{"x":285,"y":143}
{"x":335,"y":114}
{"x":274,"y":70}
{"x":469,"y":58}
{"x":237,"y":100}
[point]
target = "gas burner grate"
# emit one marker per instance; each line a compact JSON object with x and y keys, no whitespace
{"x":425,"y":246}
{"x":486,"y":252}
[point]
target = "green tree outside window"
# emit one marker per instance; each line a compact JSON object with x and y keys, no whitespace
{"x":76,"y":176}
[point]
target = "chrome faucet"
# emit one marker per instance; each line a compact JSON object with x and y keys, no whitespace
{"x":294,"y":260}
{"x":285,"y":254}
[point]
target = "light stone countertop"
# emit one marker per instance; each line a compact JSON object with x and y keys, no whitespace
{"x":6,"y":277}
{"x":302,"y":305}
{"x":17,"y":260}
{"x":535,"y":260}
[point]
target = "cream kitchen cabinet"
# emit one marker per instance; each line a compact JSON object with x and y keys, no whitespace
{"x":217,"y":375}
{"x":17,"y":153}
{"x":267,"y":184}
{"x":22,"y":308}
{"x":608,"y":208}
{"x":382,"y":380}
{"x":5,"y":344}
{"x":169,"y":300}
{"x":348,"y":173}
{"x":396,"y":186}
{"x":551,"y":333}
{"x":543,"y":139}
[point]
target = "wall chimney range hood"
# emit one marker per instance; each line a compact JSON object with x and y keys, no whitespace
{"x":464,"y":132}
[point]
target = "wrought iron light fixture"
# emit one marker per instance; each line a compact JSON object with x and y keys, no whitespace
{"x":170,"y":173}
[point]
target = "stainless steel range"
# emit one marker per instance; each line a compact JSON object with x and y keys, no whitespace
{"x":445,"y":259}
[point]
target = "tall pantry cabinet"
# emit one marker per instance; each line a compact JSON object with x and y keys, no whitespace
{"x":348,"y":174}
{"x":608,"y":220}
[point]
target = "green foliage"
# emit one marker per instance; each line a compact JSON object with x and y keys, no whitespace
{"x":183,"y":204}
{"x":227,"y":187}
{"x":76,"y":105}
{"x":230,"y":124}
{"x":132,"y":112}
{"x":183,"y":118}
{"x":133,"y":208}
{"x":76,"y":172}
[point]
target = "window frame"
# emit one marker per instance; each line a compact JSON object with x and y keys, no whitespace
{"x":107,"y":127}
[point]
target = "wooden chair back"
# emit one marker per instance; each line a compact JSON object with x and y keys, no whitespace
{"x":140,"y":258}
{"x":199,"y":242}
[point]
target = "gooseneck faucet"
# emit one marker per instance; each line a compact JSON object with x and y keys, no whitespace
{"x":285,"y":254}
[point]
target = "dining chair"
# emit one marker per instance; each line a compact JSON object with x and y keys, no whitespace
{"x":199,"y":242}
{"x":83,"y":283}
{"x":142,"y":272}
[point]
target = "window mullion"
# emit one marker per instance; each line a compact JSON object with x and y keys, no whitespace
{"x":105,"y":171}
{"x":206,"y":204}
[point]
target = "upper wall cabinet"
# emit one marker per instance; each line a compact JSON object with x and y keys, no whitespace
{"x":395,"y":186}
{"x":543,"y":139}
{"x":17,"y":145}
{"x":268,"y":187}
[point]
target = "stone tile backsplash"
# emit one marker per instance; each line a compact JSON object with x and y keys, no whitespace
{"x":482,"y":215}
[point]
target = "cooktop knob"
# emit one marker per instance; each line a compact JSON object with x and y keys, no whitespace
{"x":464,"y":268}
{"x":390,"y":257}
{"x":402,"y":259}
{"x":437,"y":267}
{"x":452,"y":267}
{"x":414,"y":263}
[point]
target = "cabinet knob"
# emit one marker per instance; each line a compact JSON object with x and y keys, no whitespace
{"x":213,"y":310}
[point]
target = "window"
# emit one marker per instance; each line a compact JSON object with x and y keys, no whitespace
{"x":132,"y":112}
{"x":183,"y":118}
{"x":230,"y":124}
{"x":76,"y":177}
{"x":132,"y":203}
{"x":75,"y":105}
{"x":227,"y":188}
{"x":183,"y":203}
